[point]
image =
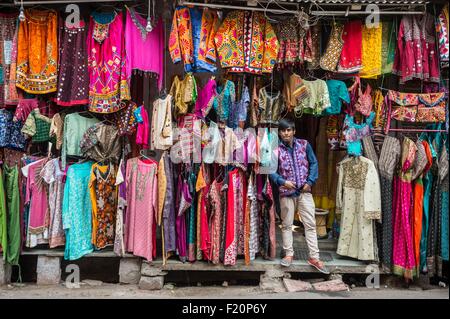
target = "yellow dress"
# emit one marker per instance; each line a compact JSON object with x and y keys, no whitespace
{"x":37,"y":52}
{"x":371,"y":51}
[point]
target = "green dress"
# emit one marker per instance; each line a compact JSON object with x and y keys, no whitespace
{"x":12,"y":204}
{"x":3,"y":219}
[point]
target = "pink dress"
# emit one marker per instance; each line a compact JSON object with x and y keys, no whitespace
{"x":205,"y":99}
{"x":144,"y":50}
{"x":143,"y":129}
{"x":350,"y":61}
{"x":107,"y":63}
{"x":141,"y":183}
{"x":416,"y":56}
{"x":403,"y":249}
{"x":36,"y":196}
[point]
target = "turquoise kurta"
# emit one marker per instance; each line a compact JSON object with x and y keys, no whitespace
{"x":77,"y":211}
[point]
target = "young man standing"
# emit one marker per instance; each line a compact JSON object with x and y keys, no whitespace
{"x":297,"y":172}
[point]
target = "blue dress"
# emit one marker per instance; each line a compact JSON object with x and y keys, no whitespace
{"x":77,"y":211}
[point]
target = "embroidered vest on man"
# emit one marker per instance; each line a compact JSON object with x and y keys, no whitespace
{"x":293,"y":168}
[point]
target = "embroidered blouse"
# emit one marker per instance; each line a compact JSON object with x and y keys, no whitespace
{"x":246,"y":42}
{"x":355,"y":132}
{"x":37,"y":126}
{"x":317,"y":100}
{"x":138,"y":42}
{"x":294,"y":91}
{"x":107,"y":63}
{"x":225,"y":97}
{"x":295,"y":43}
{"x":74,"y":127}
{"x":192,"y":39}
{"x":416,"y":56}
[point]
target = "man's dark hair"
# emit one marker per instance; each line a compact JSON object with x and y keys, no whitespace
{"x":285,"y":124}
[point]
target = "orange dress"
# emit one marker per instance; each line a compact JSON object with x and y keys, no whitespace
{"x":418,"y":204}
{"x":37,"y":52}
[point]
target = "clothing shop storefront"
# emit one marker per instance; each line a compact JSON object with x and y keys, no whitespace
{"x":148,"y":131}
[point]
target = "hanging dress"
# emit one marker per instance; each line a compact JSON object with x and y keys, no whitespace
{"x":103,"y":192}
{"x":141,"y":182}
{"x":419,"y":168}
{"x":358,"y":199}
{"x":330,"y":59}
{"x":8,"y":38}
{"x":12,"y":196}
{"x":36,"y":197}
{"x":371,"y":51}
{"x":139,"y":40}
{"x":77,"y":211}
{"x":73,"y":76}
{"x":403,"y":250}
{"x":350,"y":60}
{"x":37,"y":52}
{"x":107,"y":63}
{"x":216,"y":219}
{"x":389,"y":157}
{"x":55,"y":178}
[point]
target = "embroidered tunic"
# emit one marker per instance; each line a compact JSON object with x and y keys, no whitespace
{"x":246,"y":42}
{"x":37,"y":52}
{"x":142,"y":185}
{"x":358,"y":200}
{"x":107,"y":63}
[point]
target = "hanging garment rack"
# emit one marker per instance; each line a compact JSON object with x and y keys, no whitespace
{"x":408,"y":130}
{"x":32,"y":3}
{"x":295,"y":12}
{"x":231,"y":7}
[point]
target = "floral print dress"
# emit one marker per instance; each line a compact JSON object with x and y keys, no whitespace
{"x":102,"y":186}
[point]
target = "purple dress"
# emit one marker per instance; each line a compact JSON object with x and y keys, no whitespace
{"x":73,"y":78}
